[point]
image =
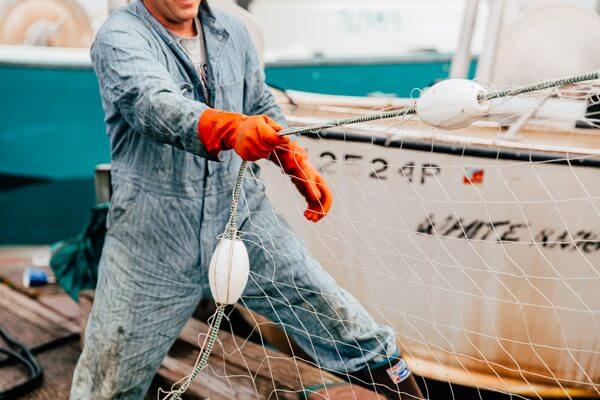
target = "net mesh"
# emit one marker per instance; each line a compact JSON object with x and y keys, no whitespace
{"x":479,"y":247}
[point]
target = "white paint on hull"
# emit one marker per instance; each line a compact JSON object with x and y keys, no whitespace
{"x":519,"y":300}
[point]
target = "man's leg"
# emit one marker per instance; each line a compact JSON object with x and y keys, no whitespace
{"x":288,"y":286}
{"x":138,"y":311}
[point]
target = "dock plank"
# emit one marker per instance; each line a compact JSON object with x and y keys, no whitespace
{"x":222,"y":380}
{"x":36,"y":313}
{"x":32,"y":324}
{"x":32,"y":329}
{"x":289,"y":372}
{"x":240,"y":369}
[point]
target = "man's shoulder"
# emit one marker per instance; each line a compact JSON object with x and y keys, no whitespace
{"x":231,"y":23}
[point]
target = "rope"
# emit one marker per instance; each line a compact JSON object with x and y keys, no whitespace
{"x":349,"y":121}
{"x":536,"y":87}
{"x":230,"y":233}
{"x":231,"y":229}
{"x":206,"y":350}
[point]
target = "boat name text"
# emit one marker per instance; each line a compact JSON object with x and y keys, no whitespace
{"x":501,"y":231}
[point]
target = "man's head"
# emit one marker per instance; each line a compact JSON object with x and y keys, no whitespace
{"x":173,"y":12}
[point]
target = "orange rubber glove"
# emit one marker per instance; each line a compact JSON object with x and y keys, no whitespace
{"x":294,"y":161}
{"x":251,"y":137}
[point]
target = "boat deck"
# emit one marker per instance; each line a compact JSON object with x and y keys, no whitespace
{"x":550,"y":137}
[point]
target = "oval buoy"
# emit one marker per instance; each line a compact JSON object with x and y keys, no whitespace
{"x":229,"y":270}
{"x":452,"y":104}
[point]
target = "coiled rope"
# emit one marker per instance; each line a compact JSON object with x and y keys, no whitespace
{"x":231,"y":228}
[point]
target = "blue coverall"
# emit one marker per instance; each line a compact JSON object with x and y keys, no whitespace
{"x":171,"y":201}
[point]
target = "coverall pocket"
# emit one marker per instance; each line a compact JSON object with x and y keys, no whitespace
{"x":121,"y":205}
{"x":232,"y":95}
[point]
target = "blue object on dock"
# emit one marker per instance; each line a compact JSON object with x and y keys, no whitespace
{"x":33,"y":277}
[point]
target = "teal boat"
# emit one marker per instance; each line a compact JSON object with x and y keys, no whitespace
{"x":52,"y":132}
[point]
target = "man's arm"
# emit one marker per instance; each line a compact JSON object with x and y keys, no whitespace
{"x":292,"y":158}
{"x":258,"y":99}
{"x":149,"y":100}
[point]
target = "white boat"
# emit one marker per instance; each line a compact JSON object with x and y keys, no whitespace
{"x":480,"y":246}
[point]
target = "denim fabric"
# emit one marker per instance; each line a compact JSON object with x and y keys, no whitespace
{"x":171,"y":202}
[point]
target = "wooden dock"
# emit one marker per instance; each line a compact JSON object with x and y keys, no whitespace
{"x":238,"y":368}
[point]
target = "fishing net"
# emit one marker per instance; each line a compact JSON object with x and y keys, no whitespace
{"x":479,"y":246}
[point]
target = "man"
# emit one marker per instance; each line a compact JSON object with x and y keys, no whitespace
{"x":185,"y":102}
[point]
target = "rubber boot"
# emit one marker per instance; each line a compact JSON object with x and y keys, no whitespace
{"x":393,"y":380}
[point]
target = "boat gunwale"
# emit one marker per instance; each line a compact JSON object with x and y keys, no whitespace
{"x":408,"y":58}
{"x":44,"y":57}
{"x":412,"y":139}
{"x":66,"y":57}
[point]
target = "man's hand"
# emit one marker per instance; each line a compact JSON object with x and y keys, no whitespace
{"x":294,"y":161}
{"x":251,"y":137}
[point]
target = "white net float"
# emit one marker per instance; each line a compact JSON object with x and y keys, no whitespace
{"x":452,"y":104}
{"x":229,"y":270}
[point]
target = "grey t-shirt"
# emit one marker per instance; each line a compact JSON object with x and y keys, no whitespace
{"x":196,"y":51}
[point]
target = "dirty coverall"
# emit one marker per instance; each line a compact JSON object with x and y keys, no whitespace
{"x":171,"y":200}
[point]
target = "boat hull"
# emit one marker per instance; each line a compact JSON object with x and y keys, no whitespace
{"x":481,"y":260}
{"x":51,"y":137}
